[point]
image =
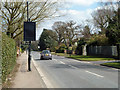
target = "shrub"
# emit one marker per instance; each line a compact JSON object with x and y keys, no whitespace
{"x":8,"y":56}
{"x":60,"y":48}
{"x":98,"y":40}
{"x":23,"y":48}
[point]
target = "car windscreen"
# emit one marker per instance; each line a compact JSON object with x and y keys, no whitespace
{"x":46,"y":52}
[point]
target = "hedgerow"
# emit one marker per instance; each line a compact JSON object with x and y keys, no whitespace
{"x":8,"y":56}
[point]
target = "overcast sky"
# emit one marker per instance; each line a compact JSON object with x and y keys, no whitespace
{"x":76,"y":10}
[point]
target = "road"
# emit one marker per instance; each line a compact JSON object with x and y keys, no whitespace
{"x":63,"y":72}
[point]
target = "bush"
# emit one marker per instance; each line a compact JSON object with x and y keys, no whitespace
{"x":23,"y":47}
{"x":98,"y":40}
{"x":79,"y":48}
{"x":8,"y":56}
{"x":61,"y":48}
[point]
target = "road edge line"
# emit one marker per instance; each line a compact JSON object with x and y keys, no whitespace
{"x":45,"y":80}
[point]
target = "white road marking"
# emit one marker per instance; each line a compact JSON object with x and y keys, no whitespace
{"x":44,"y":78}
{"x":73,"y":66}
{"x":62,"y":62}
{"x":81,"y":61}
{"x":95,"y":74}
{"x":55,"y":59}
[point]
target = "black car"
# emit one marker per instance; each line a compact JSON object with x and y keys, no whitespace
{"x":46,"y":54}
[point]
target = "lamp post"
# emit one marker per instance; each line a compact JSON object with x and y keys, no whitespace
{"x":29,"y":48}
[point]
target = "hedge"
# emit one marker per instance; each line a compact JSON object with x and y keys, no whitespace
{"x":0,"y":57}
{"x":8,"y":56}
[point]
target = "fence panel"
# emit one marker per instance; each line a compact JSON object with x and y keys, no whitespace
{"x":103,"y":50}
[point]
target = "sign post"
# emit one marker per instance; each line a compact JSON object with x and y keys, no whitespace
{"x":29,"y":35}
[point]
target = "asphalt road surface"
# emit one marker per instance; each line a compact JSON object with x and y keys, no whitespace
{"x":63,"y":72}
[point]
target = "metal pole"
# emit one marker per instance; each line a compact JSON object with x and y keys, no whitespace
{"x":29,"y":49}
{"x":27,"y":12}
{"x":29,"y":56}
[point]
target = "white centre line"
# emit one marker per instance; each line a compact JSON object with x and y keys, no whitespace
{"x":73,"y":66}
{"x":95,"y":74}
{"x":62,"y":62}
{"x":55,"y":59}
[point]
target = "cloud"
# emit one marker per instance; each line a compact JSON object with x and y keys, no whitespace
{"x":78,"y":16}
{"x":81,"y":2}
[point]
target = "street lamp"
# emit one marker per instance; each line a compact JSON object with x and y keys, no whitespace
{"x":38,"y":47}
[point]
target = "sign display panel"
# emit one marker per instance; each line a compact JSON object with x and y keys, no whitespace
{"x":29,"y":31}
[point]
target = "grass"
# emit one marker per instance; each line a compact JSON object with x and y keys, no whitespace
{"x":83,"y":58}
{"x":60,"y":54}
{"x":112,"y":64}
{"x":89,"y":58}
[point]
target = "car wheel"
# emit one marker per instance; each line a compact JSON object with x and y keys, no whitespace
{"x":41,"y":58}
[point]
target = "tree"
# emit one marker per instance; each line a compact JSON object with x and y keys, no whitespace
{"x":113,"y":29}
{"x":101,"y":16}
{"x":98,"y":39}
{"x":46,"y":40}
{"x":59,"y":28}
{"x":66,"y":32}
{"x":34,"y":45}
{"x":71,"y":32}
{"x":86,"y":32}
{"x":14,"y":14}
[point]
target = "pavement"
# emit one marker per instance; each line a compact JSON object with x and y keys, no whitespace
{"x":25,"y":78}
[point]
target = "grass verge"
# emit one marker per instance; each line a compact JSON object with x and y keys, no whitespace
{"x":60,"y":54}
{"x":89,"y":58}
{"x":83,"y":58}
{"x":112,"y":64}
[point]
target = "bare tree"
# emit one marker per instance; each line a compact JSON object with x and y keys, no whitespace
{"x":71,"y":32}
{"x":66,"y":31}
{"x":59,"y":27}
{"x":14,"y":14}
{"x":102,"y":15}
{"x":86,"y":32}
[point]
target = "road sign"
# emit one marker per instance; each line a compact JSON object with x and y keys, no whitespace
{"x":29,"y":31}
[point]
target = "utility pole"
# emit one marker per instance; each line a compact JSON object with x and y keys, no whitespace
{"x":29,"y":48}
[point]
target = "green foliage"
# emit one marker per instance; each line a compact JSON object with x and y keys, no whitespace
{"x":34,"y":46}
{"x":47,"y":40}
{"x":89,"y":58}
{"x":8,"y":56}
{"x":113,"y":30}
{"x":74,"y":47}
{"x":112,"y":64}
{"x":81,"y":42}
{"x":60,"y":48}
{"x":79,"y":47}
{"x":23,"y":47}
{"x":98,"y":40}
